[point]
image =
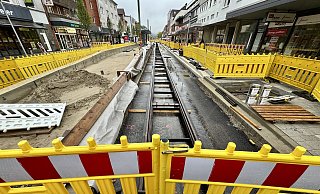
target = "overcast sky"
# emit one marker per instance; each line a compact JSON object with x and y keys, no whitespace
{"x":154,"y":10}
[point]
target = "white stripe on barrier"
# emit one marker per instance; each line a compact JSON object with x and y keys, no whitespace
{"x":197,"y":168}
{"x":68,"y":166}
{"x":255,"y":172}
{"x":310,"y":179}
{"x":124,"y":162}
{"x":11,"y":171}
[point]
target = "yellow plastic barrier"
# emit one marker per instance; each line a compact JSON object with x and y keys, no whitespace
{"x":316,"y":91}
{"x":9,"y":73}
{"x":228,"y":49}
{"x":46,"y":170}
{"x":243,"y":171}
{"x":252,"y":66}
{"x":300,"y":72}
{"x":14,"y":70}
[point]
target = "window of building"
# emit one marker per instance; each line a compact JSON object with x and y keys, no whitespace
{"x":50,"y":9}
{"x":212,"y":16}
{"x":226,"y":3}
{"x":214,"y":2}
{"x":91,"y":6}
{"x":59,"y":10}
{"x":101,"y":9}
{"x":93,"y":19}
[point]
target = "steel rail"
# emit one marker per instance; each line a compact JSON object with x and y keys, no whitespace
{"x":187,"y":124}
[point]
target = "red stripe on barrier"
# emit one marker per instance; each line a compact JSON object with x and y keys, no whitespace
{"x":39,"y":168}
{"x":284,"y":175}
{"x":97,"y":164}
{"x":226,"y":170}
{"x":177,"y":167}
{"x":145,"y":161}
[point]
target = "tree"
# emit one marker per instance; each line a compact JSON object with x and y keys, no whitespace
{"x":83,"y":15}
{"x":133,"y":30}
{"x":109,"y":24}
{"x":159,"y":35}
{"x":120,"y":26}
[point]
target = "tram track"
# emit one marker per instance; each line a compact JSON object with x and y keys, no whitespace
{"x":165,"y":101}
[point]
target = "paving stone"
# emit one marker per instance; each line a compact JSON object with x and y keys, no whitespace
{"x":310,"y":138}
{"x":297,"y":138}
{"x":314,"y":144}
{"x":305,"y":145}
{"x":315,"y":152}
{"x":292,"y":133}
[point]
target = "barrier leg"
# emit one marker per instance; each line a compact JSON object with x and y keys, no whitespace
{"x":54,"y":188}
{"x":4,"y":190}
{"x":241,"y":190}
{"x":214,"y":189}
{"x":106,"y":186}
{"x":81,"y":187}
{"x":268,"y":191}
{"x":191,"y":188}
{"x":129,"y":185}
{"x":170,"y":188}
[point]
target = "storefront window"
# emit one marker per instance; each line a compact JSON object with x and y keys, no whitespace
{"x":275,"y":39}
{"x":305,"y":40}
{"x":220,"y":35}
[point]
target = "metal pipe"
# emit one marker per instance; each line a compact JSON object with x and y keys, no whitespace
{"x":14,"y":30}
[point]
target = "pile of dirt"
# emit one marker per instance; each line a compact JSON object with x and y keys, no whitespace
{"x":75,"y":88}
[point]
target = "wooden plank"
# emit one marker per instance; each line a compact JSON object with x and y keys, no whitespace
{"x":280,"y":108}
{"x":142,"y":82}
{"x":23,"y":132}
{"x":298,"y":117}
{"x":137,"y":111}
{"x":263,"y":106}
{"x":292,"y":119}
{"x":287,"y":114}
{"x":281,"y":111}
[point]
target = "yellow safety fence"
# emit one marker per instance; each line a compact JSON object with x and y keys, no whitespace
{"x":300,"y":72}
{"x":165,"y":169}
{"x":303,"y":73}
{"x":13,"y":70}
{"x":227,"y":49}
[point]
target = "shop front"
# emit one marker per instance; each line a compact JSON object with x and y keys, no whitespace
{"x":305,"y":39}
{"x":280,"y":24}
{"x":69,"y":35}
{"x":25,"y":28}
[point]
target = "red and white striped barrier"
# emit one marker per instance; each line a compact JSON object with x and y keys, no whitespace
{"x":246,"y":172}
{"x":72,"y":166}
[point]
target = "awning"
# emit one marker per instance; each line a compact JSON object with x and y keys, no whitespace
{"x":5,"y":22}
{"x":260,"y":10}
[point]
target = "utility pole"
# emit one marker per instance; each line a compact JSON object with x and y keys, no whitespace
{"x":148,"y":29}
{"x":138,"y":1}
{"x":14,"y":30}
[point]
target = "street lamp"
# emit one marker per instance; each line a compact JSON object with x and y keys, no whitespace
{"x":14,"y":30}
